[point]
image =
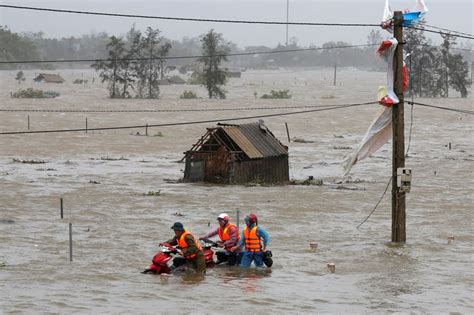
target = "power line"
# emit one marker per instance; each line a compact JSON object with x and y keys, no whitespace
{"x":207,"y":56}
{"x":447,"y":30}
{"x":464,"y":111}
{"x":186,"y":123}
{"x":377,"y":204}
{"x":161,"y":110}
{"x":189,"y":57}
{"x":441,"y":33}
{"x":184,"y":18}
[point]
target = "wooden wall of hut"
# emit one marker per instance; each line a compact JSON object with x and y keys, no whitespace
{"x":269,"y":171}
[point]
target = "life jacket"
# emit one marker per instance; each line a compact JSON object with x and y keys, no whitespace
{"x":224,"y":234}
{"x":183,"y":245}
{"x":252,"y":241}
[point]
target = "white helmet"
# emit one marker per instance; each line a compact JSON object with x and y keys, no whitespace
{"x":223,"y":216}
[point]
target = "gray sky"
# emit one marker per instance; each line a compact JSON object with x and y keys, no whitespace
{"x":451,"y":14}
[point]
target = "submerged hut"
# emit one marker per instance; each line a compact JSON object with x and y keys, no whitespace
{"x":49,"y":78}
{"x":237,"y":154}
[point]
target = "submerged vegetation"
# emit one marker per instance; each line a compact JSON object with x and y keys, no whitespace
{"x":281,"y":94}
{"x":188,"y":95}
{"x":34,"y":93}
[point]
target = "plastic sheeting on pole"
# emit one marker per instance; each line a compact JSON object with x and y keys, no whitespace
{"x":379,"y":133}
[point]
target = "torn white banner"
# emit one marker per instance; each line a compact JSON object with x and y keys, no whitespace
{"x":379,"y":133}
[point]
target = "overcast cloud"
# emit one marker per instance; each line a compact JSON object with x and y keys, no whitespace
{"x":456,"y":15}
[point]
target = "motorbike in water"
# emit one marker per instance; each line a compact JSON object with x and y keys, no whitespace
{"x":169,"y":259}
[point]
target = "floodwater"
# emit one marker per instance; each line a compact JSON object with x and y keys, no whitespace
{"x":104,"y":176}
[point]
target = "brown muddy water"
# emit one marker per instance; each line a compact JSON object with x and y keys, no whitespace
{"x":116,"y":228}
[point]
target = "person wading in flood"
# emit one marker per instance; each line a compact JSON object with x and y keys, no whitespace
{"x":229,"y":238}
{"x":190,"y":247}
{"x":255,"y":239}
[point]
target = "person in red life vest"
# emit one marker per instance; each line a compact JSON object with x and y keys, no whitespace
{"x":254,"y":241}
{"x":229,"y":238}
{"x":190,"y":247}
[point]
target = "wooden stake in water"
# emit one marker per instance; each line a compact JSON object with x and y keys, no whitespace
{"x":28,"y":122}
{"x":61,"y":205}
{"x":238,"y":218}
{"x":146,"y":130}
{"x":287,"y":132}
{"x":70,"y":241}
{"x":86,"y":124}
{"x":332,"y":267}
{"x":450,"y":239}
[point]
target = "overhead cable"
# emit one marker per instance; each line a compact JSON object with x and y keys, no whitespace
{"x":186,"y":123}
{"x":183,"y":18}
{"x":161,"y":110}
{"x":441,"y":33}
{"x":447,"y":30}
{"x":464,"y":111}
{"x":189,"y":57}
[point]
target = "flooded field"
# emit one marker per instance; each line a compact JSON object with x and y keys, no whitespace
{"x":103,"y":177}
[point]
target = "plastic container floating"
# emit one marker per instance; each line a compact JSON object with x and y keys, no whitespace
{"x":313,"y":245}
{"x":450,"y":239}
{"x":332,"y":267}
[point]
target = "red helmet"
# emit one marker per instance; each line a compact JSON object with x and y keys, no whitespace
{"x":253,"y":218}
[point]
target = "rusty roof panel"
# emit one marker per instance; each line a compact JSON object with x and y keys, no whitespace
{"x":255,"y":141}
{"x":263,"y":140}
{"x":243,"y":142}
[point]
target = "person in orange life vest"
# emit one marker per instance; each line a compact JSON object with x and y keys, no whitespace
{"x":254,"y":241}
{"x":229,"y":238}
{"x":190,"y":247}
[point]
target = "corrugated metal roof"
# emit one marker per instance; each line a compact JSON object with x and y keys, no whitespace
{"x":255,"y":141}
{"x":48,"y":77}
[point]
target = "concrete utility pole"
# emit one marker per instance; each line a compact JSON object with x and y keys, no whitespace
{"x":287,"y":15}
{"x":398,"y":128}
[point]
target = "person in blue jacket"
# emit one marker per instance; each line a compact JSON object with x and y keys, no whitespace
{"x":254,"y":242}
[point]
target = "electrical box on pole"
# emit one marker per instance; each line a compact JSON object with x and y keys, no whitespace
{"x":404,"y":179}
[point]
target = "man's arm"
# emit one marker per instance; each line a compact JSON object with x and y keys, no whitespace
{"x":173,"y":241}
{"x":234,"y":236}
{"x":191,"y":249}
{"x":211,"y":233}
{"x":261,"y":233}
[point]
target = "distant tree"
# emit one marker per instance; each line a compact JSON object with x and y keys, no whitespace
{"x":433,"y":70}
{"x":113,"y":69}
{"x":149,"y":69}
{"x":374,"y":37}
{"x":20,"y":77}
{"x":459,"y":74}
{"x":214,"y":51}
{"x":15,"y":47}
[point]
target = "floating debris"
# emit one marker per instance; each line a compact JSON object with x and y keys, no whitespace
{"x":178,"y":214}
{"x":153,"y":193}
{"x":301,"y":140}
{"x":109,"y":158}
{"x":342,"y":147}
{"x":94,"y":182}
{"x":7,"y":221}
{"x":310,"y":181}
{"x":29,"y":161}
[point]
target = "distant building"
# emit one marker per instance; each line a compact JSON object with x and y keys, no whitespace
{"x":233,"y":73}
{"x":49,"y":78}
{"x":237,"y":154}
